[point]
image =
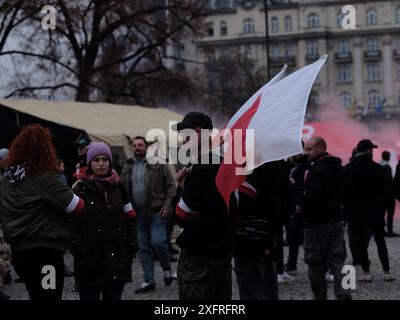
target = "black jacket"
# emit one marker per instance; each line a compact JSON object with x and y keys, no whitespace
{"x":297,"y":179}
{"x":365,"y":191}
{"x":387,"y":170}
{"x":396,"y":182}
{"x":104,"y":239}
{"x":210,"y":233}
{"x":260,"y":219}
{"x":323,"y":191}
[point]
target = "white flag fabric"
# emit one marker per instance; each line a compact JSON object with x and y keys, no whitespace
{"x":275,"y":115}
{"x":279,"y":120}
{"x":253,"y":98}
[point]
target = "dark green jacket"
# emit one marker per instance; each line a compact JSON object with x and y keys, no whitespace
{"x":32,"y":211}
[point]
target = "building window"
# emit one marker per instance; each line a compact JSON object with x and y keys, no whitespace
{"x":373,"y":71}
{"x":345,"y":99}
{"x":223,"y":28}
{"x":274,"y":24}
{"x":313,"y":21}
{"x":275,"y":52}
{"x":223,"y":53}
{"x":339,"y":19}
{"x":398,"y":71}
{"x":312,"y":47}
{"x":289,"y":52}
{"x":223,"y":4}
{"x":397,"y":43}
{"x":248,"y":25}
{"x":344,"y":46}
{"x":373,"y":44}
{"x":374,"y":98}
{"x":344,"y":73}
{"x":313,"y":100}
{"x":371,"y":17}
{"x":248,"y":54}
{"x":211,"y":56}
{"x":398,"y":98}
{"x":288,"y":23}
{"x":398,"y":15}
{"x":210,"y":29}
{"x":212,"y":4}
{"x":179,"y":49}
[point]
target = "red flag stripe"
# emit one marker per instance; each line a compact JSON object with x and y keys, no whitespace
{"x":227,"y":180}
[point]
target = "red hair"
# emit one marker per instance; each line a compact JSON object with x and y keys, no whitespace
{"x":34,"y":148}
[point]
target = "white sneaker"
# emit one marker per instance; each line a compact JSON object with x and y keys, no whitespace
{"x":365,"y":277}
{"x":284,"y":277}
{"x":329,"y":277}
{"x":388,"y":276}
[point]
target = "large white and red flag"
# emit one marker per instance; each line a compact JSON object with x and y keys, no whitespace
{"x":272,"y":121}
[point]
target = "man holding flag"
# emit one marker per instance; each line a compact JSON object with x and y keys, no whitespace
{"x":268,"y":127}
{"x":204,"y":268}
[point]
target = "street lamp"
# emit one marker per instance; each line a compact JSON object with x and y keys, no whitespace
{"x":267,"y":39}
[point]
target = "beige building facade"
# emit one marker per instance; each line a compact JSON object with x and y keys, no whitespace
{"x":362,"y":72}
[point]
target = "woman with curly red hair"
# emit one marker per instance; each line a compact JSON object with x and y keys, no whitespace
{"x":34,"y":209}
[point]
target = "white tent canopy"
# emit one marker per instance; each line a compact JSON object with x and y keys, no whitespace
{"x":106,"y":122}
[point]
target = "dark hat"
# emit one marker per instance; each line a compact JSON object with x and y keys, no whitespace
{"x":192,"y":120}
{"x":365,"y":145}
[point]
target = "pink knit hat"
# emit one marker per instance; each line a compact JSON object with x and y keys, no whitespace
{"x":97,"y":148}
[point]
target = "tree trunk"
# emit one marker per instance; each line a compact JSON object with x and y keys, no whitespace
{"x":83,"y":92}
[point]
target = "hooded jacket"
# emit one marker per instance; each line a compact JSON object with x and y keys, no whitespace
{"x":323,"y":191}
{"x":34,"y":210}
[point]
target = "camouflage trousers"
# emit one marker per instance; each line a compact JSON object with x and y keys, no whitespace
{"x":5,"y":261}
{"x":204,"y":279}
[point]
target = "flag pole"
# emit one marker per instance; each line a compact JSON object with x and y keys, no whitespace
{"x":267,"y":39}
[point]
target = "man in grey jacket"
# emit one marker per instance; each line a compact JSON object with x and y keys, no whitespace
{"x":151,"y":187}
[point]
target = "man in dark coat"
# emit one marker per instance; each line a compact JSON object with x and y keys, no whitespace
{"x":296,"y":224}
{"x":365,"y":195}
{"x":265,"y":203}
{"x":390,"y":201}
{"x":324,"y":244}
{"x":206,"y":242}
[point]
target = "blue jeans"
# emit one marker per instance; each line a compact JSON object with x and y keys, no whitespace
{"x":152,"y":234}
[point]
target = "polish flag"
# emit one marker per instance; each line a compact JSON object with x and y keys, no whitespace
{"x":274,"y":118}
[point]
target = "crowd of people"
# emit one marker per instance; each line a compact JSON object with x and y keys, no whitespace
{"x":107,"y":213}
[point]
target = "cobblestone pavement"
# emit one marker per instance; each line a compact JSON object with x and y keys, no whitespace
{"x":297,"y":290}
